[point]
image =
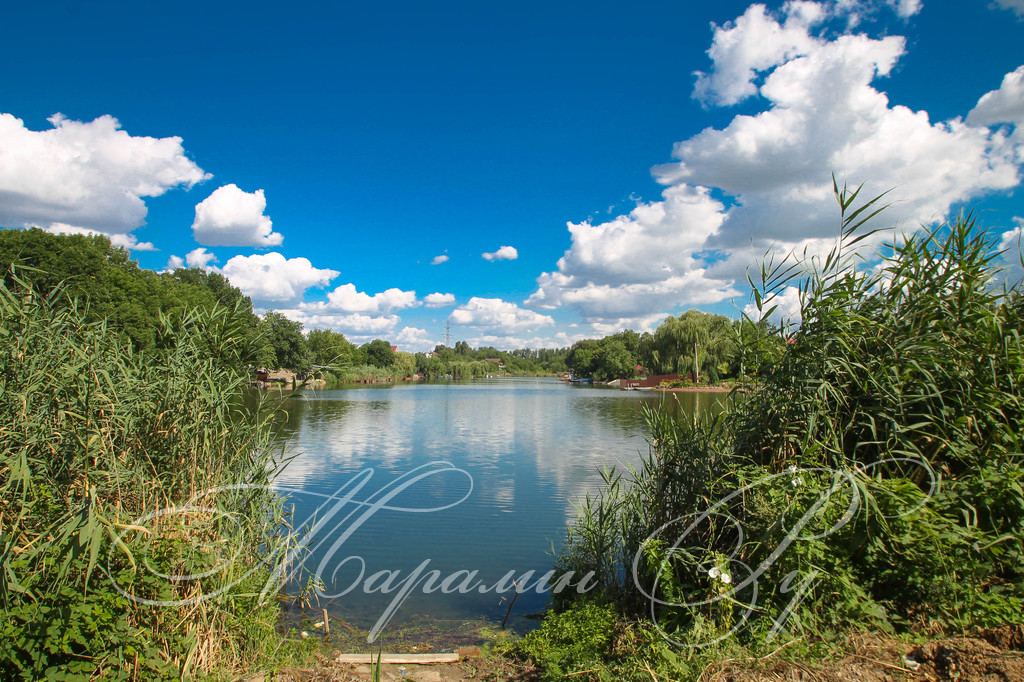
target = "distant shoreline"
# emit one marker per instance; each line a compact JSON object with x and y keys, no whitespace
{"x":695,"y":389}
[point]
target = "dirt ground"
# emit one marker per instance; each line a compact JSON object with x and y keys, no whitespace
{"x":476,"y":669}
{"x":995,"y":655}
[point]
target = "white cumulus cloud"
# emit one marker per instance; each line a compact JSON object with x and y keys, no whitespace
{"x":354,"y":326}
{"x":752,"y":44}
{"x":414,"y":339}
{"x":439,"y":259}
{"x":857,"y":11}
{"x":196,"y":258}
{"x":91,"y":175}
{"x":785,"y":309}
{"x":271,"y":279}
{"x":1017,"y":6}
{"x":1012,"y":254}
{"x":200,"y":258}
{"x":821,"y":114}
{"x":233,"y":217}
{"x":496,"y":314}
{"x":513,"y":341}
{"x":639,"y":264}
{"x":825,"y":115}
{"x":1005,"y":105}
{"x":439,"y":300}
{"x":905,"y":8}
{"x":348,"y":299}
{"x":646,"y":323}
{"x":503,"y":253}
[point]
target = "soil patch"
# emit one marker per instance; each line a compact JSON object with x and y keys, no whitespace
{"x":991,"y":655}
{"x":476,"y":669}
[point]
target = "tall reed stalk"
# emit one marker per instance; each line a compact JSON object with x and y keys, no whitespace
{"x":98,"y":444}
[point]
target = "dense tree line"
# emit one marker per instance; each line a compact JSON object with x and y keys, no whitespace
{"x":466,"y":362}
{"x":550,"y":359}
{"x":131,"y":299}
{"x":112,"y":285}
{"x":613,"y":357}
{"x":326,"y":351}
{"x":712,"y":347}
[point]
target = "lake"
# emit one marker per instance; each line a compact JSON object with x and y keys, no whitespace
{"x":518,"y":453}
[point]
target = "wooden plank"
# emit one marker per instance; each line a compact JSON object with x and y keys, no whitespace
{"x":402,"y":659}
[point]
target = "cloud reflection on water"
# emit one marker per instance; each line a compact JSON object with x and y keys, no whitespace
{"x":531,"y":447}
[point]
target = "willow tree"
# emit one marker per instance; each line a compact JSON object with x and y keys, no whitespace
{"x":694,"y":342}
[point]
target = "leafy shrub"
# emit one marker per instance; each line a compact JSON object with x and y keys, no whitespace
{"x":572,"y":641}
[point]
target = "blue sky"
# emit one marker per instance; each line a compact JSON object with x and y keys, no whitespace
{"x":636,"y":157}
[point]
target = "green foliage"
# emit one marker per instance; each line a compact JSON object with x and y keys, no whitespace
{"x":404,"y":364}
{"x":463,"y":362}
{"x":572,"y":641}
{"x":330,"y":349}
{"x":584,"y":357}
{"x":379,"y":353}
{"x":870,"y":477}
{"x":616,"y":361}
{"x":94,"y":435}
{"x":591,"y":640}
{"x":711,"y":346}
{"x":674,"y":479}
{"x":284,"y":346}
{"x":112,"y":287}
{"x":541,"y":360}
{"x":694,"y":342}
{"x":918,"y":358}
{"x":217,"y":284}
{"x":372,"y":373}
{"x":756,"y":348}
{"x":613,"y":357}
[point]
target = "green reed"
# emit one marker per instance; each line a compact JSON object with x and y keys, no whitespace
{"x":908,"y":353}
{"x":93,"y":437}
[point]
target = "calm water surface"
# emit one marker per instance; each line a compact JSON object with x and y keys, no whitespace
{"x":528,"y":448}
